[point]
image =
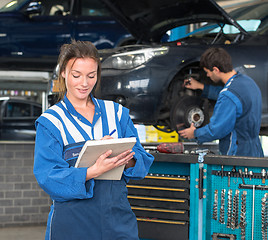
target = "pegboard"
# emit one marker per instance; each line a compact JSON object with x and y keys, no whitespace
{"x":215,"y":181}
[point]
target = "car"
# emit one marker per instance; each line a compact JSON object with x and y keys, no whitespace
{"x":148,"y":77}
{"x":32,"y":31}
{"x":17,"y":118}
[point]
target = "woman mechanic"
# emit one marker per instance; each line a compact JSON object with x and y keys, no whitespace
{"x":85,"y":208}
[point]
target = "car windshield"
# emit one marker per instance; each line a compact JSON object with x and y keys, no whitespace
{"x":12,"y":5}
{"x":250,"y":26}
{"x":253,"y":19}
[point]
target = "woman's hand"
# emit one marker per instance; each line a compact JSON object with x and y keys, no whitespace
{"x":106,"y":137}
{"x":104,"y":163}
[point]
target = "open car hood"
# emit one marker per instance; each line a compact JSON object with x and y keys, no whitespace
{"x":149,"y":20}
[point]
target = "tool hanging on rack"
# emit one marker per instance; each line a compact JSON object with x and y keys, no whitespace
{"x":264,"y":215}
{"x":234,"y":218}
{"x":229,"y":179}
{"x":243,"y":215}
{"x":222,"y":209}
{"x":263,"y":175}
{"x":253,"y":212}
{"x":229,"y":208}
{"x":251,"y":186}
{"x":215,"y":205}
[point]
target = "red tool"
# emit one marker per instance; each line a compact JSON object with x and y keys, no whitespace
{"x":176,"y":147}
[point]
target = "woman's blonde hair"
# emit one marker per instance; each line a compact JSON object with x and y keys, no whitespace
{"x":74,"y":50}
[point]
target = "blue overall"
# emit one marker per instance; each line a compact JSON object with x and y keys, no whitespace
{"x":93,"y":209}
{"x":236,"y":118}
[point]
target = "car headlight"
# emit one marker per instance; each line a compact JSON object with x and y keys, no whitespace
{"x":128,"y":60}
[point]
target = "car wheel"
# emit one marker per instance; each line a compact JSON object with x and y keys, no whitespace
{"x":189,"y":109}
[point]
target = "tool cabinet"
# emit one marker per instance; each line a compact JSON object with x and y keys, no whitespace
{"x":201,"y":197}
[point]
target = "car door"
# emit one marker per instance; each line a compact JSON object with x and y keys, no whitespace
{"x":18,"y":116}
{"x":18,"y":119}
{"x":42,"y":27}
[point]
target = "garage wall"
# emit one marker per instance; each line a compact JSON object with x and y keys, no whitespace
{"x":22,"y":201}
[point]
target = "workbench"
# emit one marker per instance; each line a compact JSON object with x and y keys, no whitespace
{"x":201,"y":196}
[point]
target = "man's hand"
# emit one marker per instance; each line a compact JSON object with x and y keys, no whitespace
{"x":191,"y":83}
{"x":188,"y":132}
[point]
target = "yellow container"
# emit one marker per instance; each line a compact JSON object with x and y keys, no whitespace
{"x":154,"y":135}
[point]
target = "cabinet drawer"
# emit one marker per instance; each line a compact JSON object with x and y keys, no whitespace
{"x":162,"y":229}
{"x":151,"y":191}
{"x":161,"y":213}
{"x":163,"y":181}
{"x":155,"y":202}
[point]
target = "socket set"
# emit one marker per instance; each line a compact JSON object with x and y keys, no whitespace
{"x":263,"y":174}
{"x":239,"y":203}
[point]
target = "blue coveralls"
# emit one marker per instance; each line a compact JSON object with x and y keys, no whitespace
{"x":94,"y":209}
{"x":236,"y":118}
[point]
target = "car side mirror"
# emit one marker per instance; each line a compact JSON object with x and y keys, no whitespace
{"x":34,"y":8}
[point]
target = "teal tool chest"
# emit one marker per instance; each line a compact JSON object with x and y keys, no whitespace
{"x":201,"y":197}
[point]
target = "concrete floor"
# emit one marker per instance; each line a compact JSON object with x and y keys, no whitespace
{"x":23,"y":233}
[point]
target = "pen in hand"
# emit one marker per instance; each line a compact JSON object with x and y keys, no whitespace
{"x":112,"y":132}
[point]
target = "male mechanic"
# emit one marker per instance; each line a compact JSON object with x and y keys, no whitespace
{"x":236,"y":117}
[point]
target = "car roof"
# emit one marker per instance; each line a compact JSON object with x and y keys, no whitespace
{"x":148,"y":20}
{"x":19,"y":99}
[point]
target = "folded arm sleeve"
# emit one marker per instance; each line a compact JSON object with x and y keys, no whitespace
{"x":143,"y":159}
{"x":222,"y":122}
{"x":53,"y":173}
{"x":211,"y":91}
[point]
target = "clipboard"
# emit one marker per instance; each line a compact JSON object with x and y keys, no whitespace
{"x":92,"y":149}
